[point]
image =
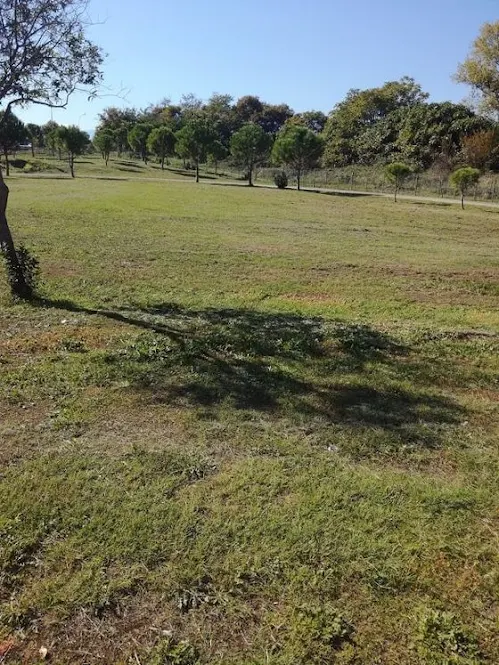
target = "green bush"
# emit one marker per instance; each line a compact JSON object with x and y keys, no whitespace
{"x":281,"y":179}
{"x":29,"y":266}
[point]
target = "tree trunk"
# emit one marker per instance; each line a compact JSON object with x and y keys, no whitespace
{"x":106,"y":159}
{"x":18,"y":284}
{"x":7,"y":165}
{"x":197,"y":171}
{"x":71,"y":165}
{"x":396,"y":190}
{"x":32,"y":149}
{"x":298,"y":179}
{"x":162,"y":163}
{"x":250,"y":177}
{"x":462,"y":200}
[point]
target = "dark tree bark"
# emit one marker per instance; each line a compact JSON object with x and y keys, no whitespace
{"x":7,"y":165}
{"x":18,"y":284}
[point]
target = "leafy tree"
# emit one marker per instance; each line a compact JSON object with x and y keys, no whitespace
{"x":137,"y":139}
{"x":397,"y":173}
{"x":195,"y":140}
{"x":161,"y":142}
{"x":314,"y":120}
{"x":50,"y":136}
{"x":74,"y":141}
{"x":273,"y":117}
{"x":114,"y":118}
{"x":464,"y":179}
{"x":481,"y":150}
{"x":360,"y":111}
{"x":221,"y":114}
{"x":104,"y":141}
{"x":299,"y":148}
{"x":481,"y":68}
{"x":190,"y":106}
{"x":216,"y":153}
{"x":250,"y":146}
{"x":427,"y":129}
{"x":44,"y":57}
{"x":248,"y":109}
{"x":12,"y":132}
{"x":119,"y":121}
{"x":35,"y":135}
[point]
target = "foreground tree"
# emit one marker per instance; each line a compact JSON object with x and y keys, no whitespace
{"x":464,"y":179}
{"x":161,"y":142}
{"x":250,"y":146}
{"x":397,"y":173}
{"x":480,"y":70}
{"x":12,"y":133}
{"x":104,"y":141}
{"x":44,"y":57}
{"x":74,"y":141}
{"x":195,"y":139}
{"x":298,"y":148}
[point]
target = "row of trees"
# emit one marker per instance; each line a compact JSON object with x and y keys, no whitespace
{"x":71,"y":141}
{"x":394,"y":122}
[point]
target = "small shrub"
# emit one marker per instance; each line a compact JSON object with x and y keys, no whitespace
{"x":281,"y":179}
{"x":30,"y":270}
{"x":37,"y":166}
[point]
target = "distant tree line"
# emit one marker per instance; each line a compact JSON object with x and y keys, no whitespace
{"x":391,"y":124}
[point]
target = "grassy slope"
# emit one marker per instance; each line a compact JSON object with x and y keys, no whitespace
{"x":276,"y":442}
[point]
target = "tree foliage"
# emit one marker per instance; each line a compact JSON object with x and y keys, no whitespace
{"x":250,"y":146}
{"x":464,"y":179}
{"x":428,"y":129}
{"x":480,"y":70}
{"x":44,"y":53}
{"x":137,"y":139}
{"x":74,"y":141}
{"x":481,"y":150}
{"x":161,"y":143}
{"x":105,"y":141}
{"x":195,"y":139}
{"x":298,"y":148}
{"x":360,"y":111}
{"x":397,"y":173}
{"x":12,"y":132}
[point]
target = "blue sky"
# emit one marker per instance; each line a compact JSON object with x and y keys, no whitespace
{"x":305,"y":54}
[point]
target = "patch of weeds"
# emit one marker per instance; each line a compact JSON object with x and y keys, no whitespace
{"x":171,"y":652}
{"x":314,"y":634}
{"x":71,"y":345}
{"x":195,"y":594}
{"x":442,"y":640}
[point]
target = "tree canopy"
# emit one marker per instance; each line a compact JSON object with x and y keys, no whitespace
{"x":250,"y":146}
{"x":299,"y":148}
{"x":480,"y":70}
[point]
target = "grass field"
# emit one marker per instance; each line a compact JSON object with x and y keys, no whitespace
{"x":249,"y":427}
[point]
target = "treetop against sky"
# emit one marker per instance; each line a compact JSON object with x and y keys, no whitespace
{"x":279,"y":51}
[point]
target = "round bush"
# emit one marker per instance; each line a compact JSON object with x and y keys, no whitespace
{"x":281,"y":179}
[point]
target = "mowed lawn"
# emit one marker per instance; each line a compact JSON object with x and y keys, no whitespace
{"x":249,"y":427}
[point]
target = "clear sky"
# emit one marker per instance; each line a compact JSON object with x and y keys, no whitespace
{"x":307,"y":54}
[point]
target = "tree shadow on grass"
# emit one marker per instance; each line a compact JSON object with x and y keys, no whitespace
{"x":292,"y":367}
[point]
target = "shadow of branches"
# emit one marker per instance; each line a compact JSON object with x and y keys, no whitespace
{"x":299,"y":368}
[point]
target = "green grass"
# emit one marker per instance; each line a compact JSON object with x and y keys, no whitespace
{"x":248,"y":427}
